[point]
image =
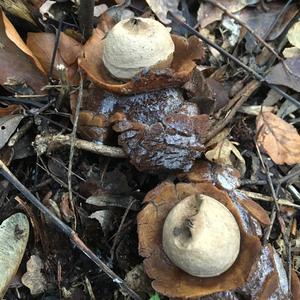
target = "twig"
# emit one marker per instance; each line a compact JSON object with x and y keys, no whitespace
{"x":57,"y":37}
{"x":43,"y":142}
{"x":239,"y":99}
{"x":237,"y":61}
{"x":258,"y":196}
{"x":239,"y":21}
{"x":278,"y":213}
{"x":112,"y":250}
{"x":282,"y":11}
{"x":55,"y":178}
{"x":72,"y":143}
{"x":73,"y":236}
{"x":86,"y":15}
{"x":281,"y":180}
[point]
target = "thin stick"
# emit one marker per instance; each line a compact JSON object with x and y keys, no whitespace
{"x":239,"y":21}
{"x":282,"y":11}
{"x":72,"y":143}
{"x":237,"y":61}
{"x":65,"y":229}
{"x":43,"y":142}
{"x":240,"y":98}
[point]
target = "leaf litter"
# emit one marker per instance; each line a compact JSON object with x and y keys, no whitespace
{"x":201,"y":124}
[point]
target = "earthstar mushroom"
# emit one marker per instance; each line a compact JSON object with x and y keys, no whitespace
{"x":136,"y":44}
{"x":201,"y":236}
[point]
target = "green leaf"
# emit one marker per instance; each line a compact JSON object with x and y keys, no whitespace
{"x":154,"y":297}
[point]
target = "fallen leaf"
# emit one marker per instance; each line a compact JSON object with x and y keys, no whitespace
{"x":14,"y":36}
{"x":42,"y":45}
{"x":255,"y":210}
{"x":226,"y":153}
{"x":14,"y":233}
{"x":287,"y":75}
{"x":291,"y":52}
{"x":18,"y":8}
{"x":8,"y":125}
{"x":161,"y":8}
{"x":17,"y":67}
{"x":34,"y":279}
{"x":261,"y":21}
{"x":279,"y":139}
{"x":293,"y":35}
{"x":208,"y":13}
{"x":104,"y":217}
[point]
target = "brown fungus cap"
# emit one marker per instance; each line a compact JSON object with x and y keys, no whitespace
{"x":169,"y":280}
{"x":186,"y":51}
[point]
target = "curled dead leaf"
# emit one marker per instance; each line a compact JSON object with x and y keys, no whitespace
{"x":278,"y":138}
{"x":17,"y":65}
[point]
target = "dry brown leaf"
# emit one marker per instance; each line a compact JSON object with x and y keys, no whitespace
{"x":14,"y":36}
{"x":42,"y":45}
{"x":278,"y":138}
{"x":17,"y":66}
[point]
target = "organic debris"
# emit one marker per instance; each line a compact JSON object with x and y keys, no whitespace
{"x":156,"y":148}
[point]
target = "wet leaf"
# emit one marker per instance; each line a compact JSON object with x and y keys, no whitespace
{"x":34,"y":279}
{"x":14,"y":233}
{"x":278,"y":138}
{"x":287,"y":75}
{"x":260,"y":21}
{"x":8,"y":125}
